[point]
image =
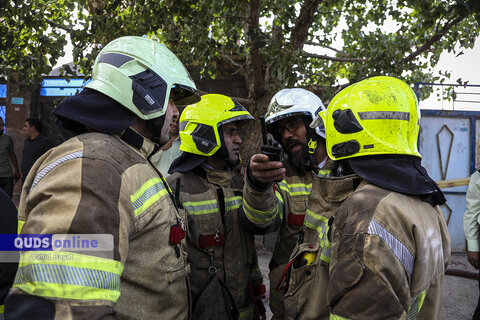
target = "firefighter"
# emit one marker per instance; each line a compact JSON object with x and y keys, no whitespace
{"x":386,"y":246}
{"x":288,"y":117}
{"x":101,"y":182}
{"x":208,"y":187}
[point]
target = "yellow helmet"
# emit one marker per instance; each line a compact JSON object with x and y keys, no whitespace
{"x":200,"y":123}
{"x":378,"y":115}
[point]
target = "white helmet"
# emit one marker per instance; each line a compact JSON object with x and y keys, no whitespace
{"x":293,"y":102}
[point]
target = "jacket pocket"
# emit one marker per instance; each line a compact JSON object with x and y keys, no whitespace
{"x":300,"y":284}
{"x":343,"y":278}
{"x":179,"y":273}
{"x":355,"y":291}
{"x":298,"y":280}
{"x":299,"y":204}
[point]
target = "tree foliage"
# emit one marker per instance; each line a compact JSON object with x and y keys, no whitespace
{"x":322,"y":45}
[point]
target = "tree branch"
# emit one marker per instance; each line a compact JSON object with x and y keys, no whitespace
{"x":320,"y":90}
{"x":433,"y":39}
{"x":303,"y":23}
{"x":325,"y":57}
{"x":244,"y":102}
{"x":311,"y":43}
{"x":340,"y":12}
{"x":254,"y":73}
{"x":240,"y":67}
{"x":60,"y":26}
{"x":227,"y":17}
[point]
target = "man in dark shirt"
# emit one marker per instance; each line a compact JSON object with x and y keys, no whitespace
{"x":35,"y":145}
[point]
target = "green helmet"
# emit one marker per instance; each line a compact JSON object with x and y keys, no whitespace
{"x":142,"y":74}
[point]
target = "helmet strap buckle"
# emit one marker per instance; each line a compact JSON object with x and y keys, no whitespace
{"x":312,"y":146}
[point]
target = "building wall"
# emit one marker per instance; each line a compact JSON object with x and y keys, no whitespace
{"x":15,"y":116}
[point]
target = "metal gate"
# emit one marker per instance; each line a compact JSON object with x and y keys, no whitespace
{"x":449,"y":143}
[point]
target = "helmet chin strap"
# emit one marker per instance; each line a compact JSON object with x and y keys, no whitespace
{"x":156,"y":126}
{"x":310,"y":162}
{"x":323,"y":162}
{"x":233,"y":164}
{"x":312,"y":137}
{"x":222,"y":153}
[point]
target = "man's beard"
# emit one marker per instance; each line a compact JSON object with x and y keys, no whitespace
{"x":301,"y":159}
{"x":233,"y":162}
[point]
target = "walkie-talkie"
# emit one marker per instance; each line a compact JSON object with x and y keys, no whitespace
{"x":272,"y":149}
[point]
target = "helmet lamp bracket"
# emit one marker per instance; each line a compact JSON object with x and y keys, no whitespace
{"x":346,"y":148}
{"x":345,"y":121}
{"x":204,"y":138}
{"x":149,"y":91}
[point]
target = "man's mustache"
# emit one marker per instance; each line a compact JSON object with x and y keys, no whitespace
{"x":291,"y":141}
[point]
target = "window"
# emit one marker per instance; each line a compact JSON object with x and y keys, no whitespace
{"x":3,"y":91}
{"x":61,"y":87}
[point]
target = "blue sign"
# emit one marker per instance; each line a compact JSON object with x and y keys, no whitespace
{"x":17,"y":100}
{"x":62,"y":87}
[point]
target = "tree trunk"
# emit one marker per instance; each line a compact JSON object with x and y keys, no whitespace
{"x":251,"y":144}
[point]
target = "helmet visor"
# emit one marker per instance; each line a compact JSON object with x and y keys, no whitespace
{"x":319,"y":123}
{"x":184,"y":95}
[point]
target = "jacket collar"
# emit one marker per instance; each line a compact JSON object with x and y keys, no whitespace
{"x":141,"y":144}
{"x":220,"y":178}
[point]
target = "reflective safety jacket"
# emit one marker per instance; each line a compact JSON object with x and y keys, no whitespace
{"x":385,"y":254}
{"x":217,"y":243}
{"x":471,"y":217}
{"x":312,"y":253}
{"x":99,"y":184}
{"x":292,"y":195}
